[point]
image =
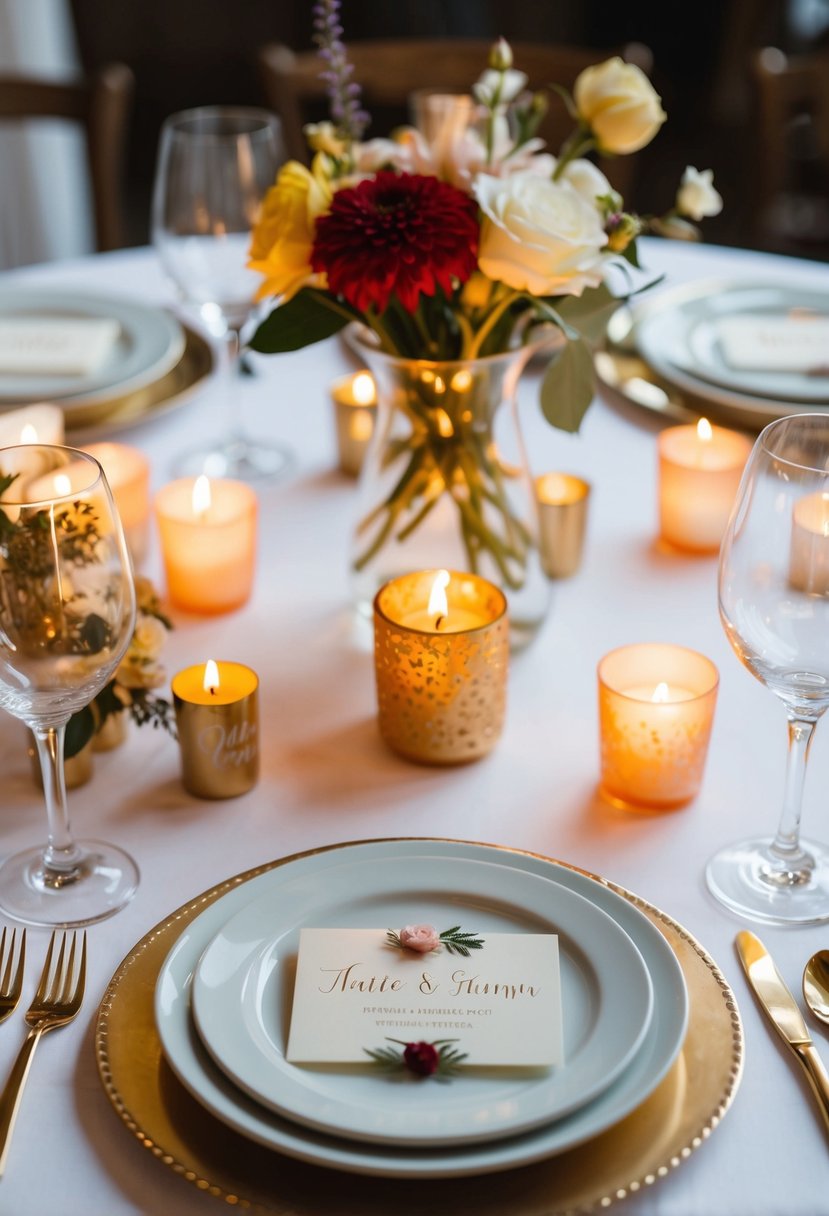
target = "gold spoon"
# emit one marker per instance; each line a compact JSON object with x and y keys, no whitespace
{"x":816,"y":985}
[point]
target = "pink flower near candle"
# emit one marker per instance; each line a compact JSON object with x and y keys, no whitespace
{"x":421,"y":938}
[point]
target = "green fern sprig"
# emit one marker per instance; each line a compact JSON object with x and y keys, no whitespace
{"x":458,"y":942}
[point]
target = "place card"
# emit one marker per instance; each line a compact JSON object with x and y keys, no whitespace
{"x":782,"y":343}
{"x":56,"y":346}
{"x":501,"y":1004}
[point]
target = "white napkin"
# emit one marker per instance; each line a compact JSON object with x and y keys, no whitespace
{"x":56,"y":346}
{"x":769,"y":343}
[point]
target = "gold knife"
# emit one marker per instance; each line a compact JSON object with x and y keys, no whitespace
{"x":782,"y":1011}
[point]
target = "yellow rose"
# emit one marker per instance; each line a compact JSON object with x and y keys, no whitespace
{"x":619,"y":104}
{"x":283,"y":237}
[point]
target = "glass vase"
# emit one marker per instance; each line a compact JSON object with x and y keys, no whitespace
{"x":446,"y":483}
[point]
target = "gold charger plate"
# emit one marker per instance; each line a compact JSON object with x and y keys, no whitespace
{"x":674,"y":1121}
{"x":169,"y":391}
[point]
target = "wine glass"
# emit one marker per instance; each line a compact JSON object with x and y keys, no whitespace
{"x":215,"y":165}
{"x":67,"y":613}
{"x":774,"y":606}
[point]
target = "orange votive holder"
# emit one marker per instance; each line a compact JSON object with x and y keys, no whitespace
{"x":656,"y":708}
{"x":208,"y":542}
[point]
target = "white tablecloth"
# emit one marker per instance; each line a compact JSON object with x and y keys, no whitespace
{"x":327,"y":777}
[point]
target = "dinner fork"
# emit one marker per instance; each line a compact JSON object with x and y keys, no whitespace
{"x":56,"y":1002}
{"x":11,"y":982}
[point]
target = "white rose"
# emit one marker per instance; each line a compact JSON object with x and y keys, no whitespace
{"x":619,"y":104}
{"x":585,"y":178}
{"x":148,"y":638}
{"x":538,"y":235}
{"x":499,"y":87}
{"x":696,"y":196}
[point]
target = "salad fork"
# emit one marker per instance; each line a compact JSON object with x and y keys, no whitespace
{"x":11,"y":977}
{"x":56,"y":1002}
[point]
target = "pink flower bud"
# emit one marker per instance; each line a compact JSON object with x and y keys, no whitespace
{"x":421,"y":938}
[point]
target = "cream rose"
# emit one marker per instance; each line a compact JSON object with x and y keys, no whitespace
{"x":420,"y":938}
{"x":619,"y":104}
{"x":587,"y":180}
{"x":539,"y":236}
{"x":696,"y":196}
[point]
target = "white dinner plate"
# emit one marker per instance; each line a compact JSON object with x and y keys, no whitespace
{"x":196,"y":1070}
{"x":149,"y":343}
{"x":244,"y":985}
{"x":676,"y":333}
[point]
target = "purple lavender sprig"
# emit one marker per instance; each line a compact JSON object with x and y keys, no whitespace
{"x":344,"y":93}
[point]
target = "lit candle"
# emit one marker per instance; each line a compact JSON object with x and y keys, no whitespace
{"x":208,"y":542}
{"x":32,"y":424}
{"x":809,"y":558}
{"x":217,"y":719}
{"x":355,"y":409}
{"x":656,"y":707}
{"x":128,"y":473}
{"x":441,"y":651}
{"x":562,"y":509}
{"x":699,"y":472}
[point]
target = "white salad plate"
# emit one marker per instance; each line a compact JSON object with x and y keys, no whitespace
{"x":677,"y":334}
{"x":197,"y":1071}
{"x":150,"y":341}
{"x":243,"y":988}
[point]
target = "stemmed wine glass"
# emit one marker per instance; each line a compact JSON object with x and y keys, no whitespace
{"x":67,"y":613}
{"x":774,"y":605}
{"x":215,"y":165}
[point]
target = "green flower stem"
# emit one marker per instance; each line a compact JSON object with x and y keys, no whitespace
{"x":577,"y":144}
{"x":490,"y":323}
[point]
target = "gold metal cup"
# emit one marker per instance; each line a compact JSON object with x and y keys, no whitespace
{"x":219,"y":742}
{"x":562,"y":513}
{"x":441,"y":696}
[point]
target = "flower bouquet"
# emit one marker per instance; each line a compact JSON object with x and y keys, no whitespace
{"x":458,"y":251}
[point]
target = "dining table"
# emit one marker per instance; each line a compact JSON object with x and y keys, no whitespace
{"x":327,"y":777}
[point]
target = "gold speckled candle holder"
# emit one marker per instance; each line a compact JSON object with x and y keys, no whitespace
{"x":656,"y":707}
{"x":441,"y":680}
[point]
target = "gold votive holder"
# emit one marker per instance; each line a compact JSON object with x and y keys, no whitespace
{"x":355,"y":412}
{"x":217,"y":717}
{"x":656,"y":708}
{"x":562,"y":521}
{"x":441,"y":672}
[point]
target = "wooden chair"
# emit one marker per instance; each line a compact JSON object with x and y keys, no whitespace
{"x":390,"y":71}
{"x":101,"y":105}
{"x":791,"y":207}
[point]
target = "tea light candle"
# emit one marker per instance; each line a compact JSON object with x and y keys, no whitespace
{"x":355,"y":410}
{"x":656,"y":707}
{"x":699,"y":471}
{"x":217,"y":718}
{"x":32,"y":424}
{"x":128,"y":473}
{"x":562,"y":510}
{"x":441,"y":654}
{"x":809,"y":557}
{"x":208,"y":542}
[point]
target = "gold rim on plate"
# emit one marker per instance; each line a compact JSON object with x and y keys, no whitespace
{"x":645,"y":1146}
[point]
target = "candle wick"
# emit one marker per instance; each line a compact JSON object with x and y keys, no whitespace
{"x":212,"y":691}
{"x":439,"y":620}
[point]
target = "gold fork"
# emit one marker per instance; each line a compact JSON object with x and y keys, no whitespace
{"x":56,"y":1002}
{"x":11,"y":982}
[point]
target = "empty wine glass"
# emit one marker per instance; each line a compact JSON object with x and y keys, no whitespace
{"x":215,"y":165}
{"x":774,"y":605}
{"x":67,"y":613}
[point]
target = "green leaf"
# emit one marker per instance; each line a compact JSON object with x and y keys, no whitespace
{"x":79,"y":730}
{"x":589,"y":313}
{"x":300,"y":322}
{"x":567,"y":388}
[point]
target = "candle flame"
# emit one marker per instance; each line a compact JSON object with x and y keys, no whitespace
{"x":211,"y":676}
{"x":660,"y":693}
{"x":63,"y":485}
{"x":28,"y":434}
{"x":444,"y":423}
{"x":438,"y":604}
{"x":704,"y":431}
{"x":202,"y":497}
{"x":363,"y":389}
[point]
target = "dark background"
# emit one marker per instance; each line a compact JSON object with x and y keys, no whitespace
{"x":198,"y":52}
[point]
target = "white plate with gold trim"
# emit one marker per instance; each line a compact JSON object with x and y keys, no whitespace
{"x":197,"y":1071}
{"x":243,"y":989}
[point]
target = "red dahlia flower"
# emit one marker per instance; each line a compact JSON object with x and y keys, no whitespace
{"x":396,"y":235}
